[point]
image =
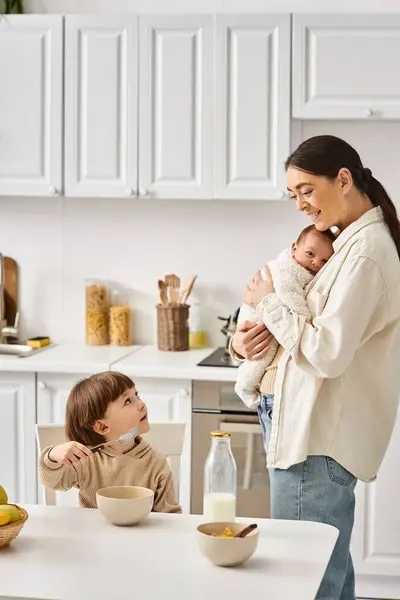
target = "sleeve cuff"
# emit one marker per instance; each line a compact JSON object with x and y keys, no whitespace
{"x":48,"y":463}
{"x":233,"y":352}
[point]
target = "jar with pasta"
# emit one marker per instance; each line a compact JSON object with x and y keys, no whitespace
{"x":120,"y":318}
{"x":96,"y":312}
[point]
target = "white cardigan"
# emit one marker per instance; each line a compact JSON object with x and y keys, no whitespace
{"x":338,"y":385}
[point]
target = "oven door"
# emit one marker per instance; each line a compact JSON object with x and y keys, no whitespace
{"x":225,"y":411}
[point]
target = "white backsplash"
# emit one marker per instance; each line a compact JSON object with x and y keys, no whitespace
{"x":59,"y":242}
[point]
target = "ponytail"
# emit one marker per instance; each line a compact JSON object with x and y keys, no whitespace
{"x":379,"y":197}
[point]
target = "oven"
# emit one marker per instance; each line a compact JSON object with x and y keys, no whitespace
{"x":216,"y":406}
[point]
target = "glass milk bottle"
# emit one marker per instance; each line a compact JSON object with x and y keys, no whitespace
{"x":219,"y":502}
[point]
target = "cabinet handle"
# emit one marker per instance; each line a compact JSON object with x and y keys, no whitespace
{"x":368,"y":112}
{"x":53,"y":190}
{"x":144,"y":192}
{"x":129,"y":192}
{"x":42,"y":386}
{"x":183,"y":393}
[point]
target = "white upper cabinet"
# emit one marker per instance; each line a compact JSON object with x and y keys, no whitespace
{"x":252,"y":106}
{"x":101,"y":77}
{"x":176,"y":106}
{"x":346,"y":67}
{"x":31,"y":103}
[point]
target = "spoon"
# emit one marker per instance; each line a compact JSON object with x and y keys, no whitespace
{"x":125,"y":438}
{"x":246,"y":530}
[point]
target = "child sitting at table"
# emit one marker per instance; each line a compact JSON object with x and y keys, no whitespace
{"x":100,"y":409}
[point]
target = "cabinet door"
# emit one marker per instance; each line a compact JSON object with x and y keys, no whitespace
{"x":171,"y":400}
{"x":376,"y":536}
{"x":252,"y":103}
{"x":346,"y":67}
{"x":31,"y":71}
{"x":18,"y":473}
{"x":175,"y":106}
{"x":52,"y":393}
{"x":101,"y":106}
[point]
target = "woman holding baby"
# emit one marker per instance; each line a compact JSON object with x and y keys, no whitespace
{"x":328,"y":414}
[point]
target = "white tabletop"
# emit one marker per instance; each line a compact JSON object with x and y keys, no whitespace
{"x":66,"y":553}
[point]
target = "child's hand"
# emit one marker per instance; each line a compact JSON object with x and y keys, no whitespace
{"x":69,"y":453}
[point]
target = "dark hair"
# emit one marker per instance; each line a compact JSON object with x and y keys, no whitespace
{"x":88,"y":402}
{"x":325,"y":155}
{"x":328,"y":234}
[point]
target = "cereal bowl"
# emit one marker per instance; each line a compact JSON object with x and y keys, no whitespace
{"x":226,"y":551}
{"x":125,"y":505}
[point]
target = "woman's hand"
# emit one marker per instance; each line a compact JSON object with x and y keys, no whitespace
{"x":259,"y":288}
{"x":251,"y":340}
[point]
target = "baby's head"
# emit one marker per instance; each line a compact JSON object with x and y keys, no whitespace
{"x":313,"y":248}
{"x":103,"y":407}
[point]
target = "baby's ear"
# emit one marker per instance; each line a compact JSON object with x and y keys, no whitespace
{"x":294,"y":248}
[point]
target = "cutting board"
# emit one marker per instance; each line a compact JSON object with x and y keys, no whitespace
{"x":10,"y":290}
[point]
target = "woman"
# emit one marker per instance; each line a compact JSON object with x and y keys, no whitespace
{"x":328,"y":419}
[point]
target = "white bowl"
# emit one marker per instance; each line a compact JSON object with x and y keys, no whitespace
{"x":125,"y":505}
{"x":226,"y":552}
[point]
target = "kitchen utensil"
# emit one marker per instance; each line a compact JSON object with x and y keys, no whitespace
{"x":173,"y":282}
{"x":162,"y":286}
{"x":125,"y":438}
{"x":10,"y":291}
{"x":246,"y":531}
{"x":187,"y":290}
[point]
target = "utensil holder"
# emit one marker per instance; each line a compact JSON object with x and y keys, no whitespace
{"x":173,"y":327}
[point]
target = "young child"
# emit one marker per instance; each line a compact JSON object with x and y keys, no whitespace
{"x":100,"y":409}
{"x":291,"y":272}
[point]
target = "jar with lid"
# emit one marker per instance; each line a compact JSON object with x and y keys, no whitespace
{"x":96,"y":312}
{"x":120,"y":318}
{"x":220,"y":480}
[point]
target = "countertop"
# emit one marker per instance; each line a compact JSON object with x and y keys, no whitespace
{"x":68,"y":358}
{"x":135,"y":361}
{"x":151,"y":362}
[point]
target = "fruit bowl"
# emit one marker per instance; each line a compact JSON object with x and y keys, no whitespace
{"x":9,"y":532}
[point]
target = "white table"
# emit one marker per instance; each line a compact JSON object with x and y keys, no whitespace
{"x":67,"y":553}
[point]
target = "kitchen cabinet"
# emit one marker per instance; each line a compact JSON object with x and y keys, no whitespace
{"x":252,"y":106}
{"x":101,"y":106}
{"x":176,"y":106}
{"x":376,"y":536}
{"x":170,"y":154}
{"x":31,"y":105}
{"x":346,"y":66}
{"x":17,"y":436}
{"x":171,"y":400}
{"x":52,"y":394}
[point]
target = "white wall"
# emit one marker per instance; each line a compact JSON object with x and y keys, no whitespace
{"x":58,"y":243}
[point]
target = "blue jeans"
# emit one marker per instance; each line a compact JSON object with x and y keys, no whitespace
{"x":318,"y":489}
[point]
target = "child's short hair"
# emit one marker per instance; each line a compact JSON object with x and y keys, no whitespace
{"x":88,"y":402}
{"x":328,"y":233}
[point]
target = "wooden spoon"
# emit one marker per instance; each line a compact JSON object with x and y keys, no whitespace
{"x":246,"y":530}
{"x":187,"y":290}
{"x":162,"y":286}
{"x":174,"y":283}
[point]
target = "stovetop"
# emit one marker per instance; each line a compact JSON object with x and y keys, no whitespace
{"x":219,"y":358}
